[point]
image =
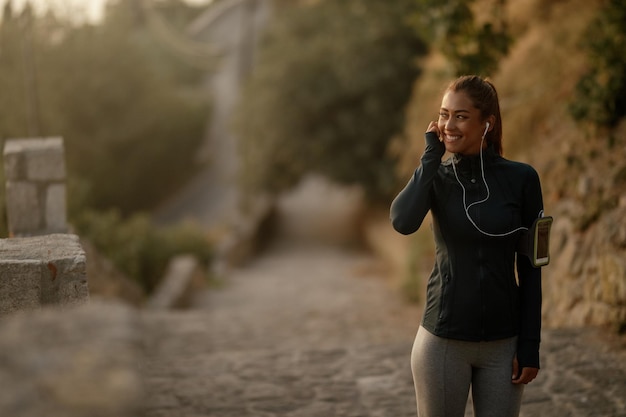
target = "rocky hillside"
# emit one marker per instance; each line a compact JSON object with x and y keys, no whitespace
{"x":583,"y":171}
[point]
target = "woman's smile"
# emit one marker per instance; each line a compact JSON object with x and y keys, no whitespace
{"x":451,"y":138}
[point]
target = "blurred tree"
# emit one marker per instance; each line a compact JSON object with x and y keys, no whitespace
{"x":124,"y":105}
{"x":450,"y":26}
{"x":16,"y":70}
{"x":17,"y":108}
{"x":328,"y":94}
{"x":601,"y":92}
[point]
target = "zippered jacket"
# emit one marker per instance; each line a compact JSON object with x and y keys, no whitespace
{"x":472,"y":293}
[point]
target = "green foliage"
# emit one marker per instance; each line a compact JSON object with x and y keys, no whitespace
{"x":139,"y":249}
{"x":601,"y":92}
{"x":121,"y":102}
{"x":450,"y":26}
{"x":328,"y":94}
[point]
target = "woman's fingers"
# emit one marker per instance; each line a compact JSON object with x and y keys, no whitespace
{"x":432,"y":127}
{"x":527,"y":375}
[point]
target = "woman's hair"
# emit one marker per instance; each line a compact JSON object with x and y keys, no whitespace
{"x":485,"y":98}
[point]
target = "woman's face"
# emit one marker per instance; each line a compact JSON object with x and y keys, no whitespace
{"x":460,"y":124}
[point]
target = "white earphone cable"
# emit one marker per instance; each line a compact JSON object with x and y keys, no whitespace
{"x":466,"y":207}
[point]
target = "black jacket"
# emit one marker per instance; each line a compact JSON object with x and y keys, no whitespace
{"x":472,"y":292}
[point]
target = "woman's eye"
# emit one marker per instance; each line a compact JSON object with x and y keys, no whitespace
{"x":443,"y":115}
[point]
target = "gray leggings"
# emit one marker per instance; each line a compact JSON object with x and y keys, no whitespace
{"x":444,"y":369}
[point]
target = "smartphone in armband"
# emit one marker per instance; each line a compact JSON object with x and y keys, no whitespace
{"x":541,"y":253}
{"x":535,"y":243}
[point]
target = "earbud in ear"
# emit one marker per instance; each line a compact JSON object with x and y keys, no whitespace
{"x":486,"y":129}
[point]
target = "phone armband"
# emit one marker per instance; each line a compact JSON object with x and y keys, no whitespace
{"x":534,"y":243}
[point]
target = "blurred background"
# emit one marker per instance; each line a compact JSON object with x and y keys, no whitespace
{"x":183,"y":120}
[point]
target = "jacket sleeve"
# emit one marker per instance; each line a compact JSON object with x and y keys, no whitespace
{"x":529,"y":281}
{"x":410,"y":206}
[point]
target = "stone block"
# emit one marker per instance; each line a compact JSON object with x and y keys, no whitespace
{"x":56,"y":217}
{"x":40,"y":160}
{"x":20,"y":285}
{"x":183,"y":278}
{"x":14,"y":169}
{"x":76,"y":362}
{"x":24,"y":211}
{"x":63,"y":279}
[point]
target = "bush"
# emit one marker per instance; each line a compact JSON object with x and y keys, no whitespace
{"x":600,"y":96}
{"x":138,"y":248}
{"x":449,"y":25}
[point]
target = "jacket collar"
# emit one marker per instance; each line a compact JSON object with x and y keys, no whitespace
{"x":467,"y":162}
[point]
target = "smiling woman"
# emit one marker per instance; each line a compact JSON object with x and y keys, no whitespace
{"x":482,"y":319}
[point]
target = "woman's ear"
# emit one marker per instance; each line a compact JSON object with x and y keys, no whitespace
{"x":491,"y":120}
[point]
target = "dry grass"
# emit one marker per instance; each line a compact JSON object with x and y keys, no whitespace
{"x":537,"y":79}
{"x":535,"y":82}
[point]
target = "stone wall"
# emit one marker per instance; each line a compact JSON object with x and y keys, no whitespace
{"x":585,"y":283}
{"x":59,"y":355}
{"x":585,"y":191}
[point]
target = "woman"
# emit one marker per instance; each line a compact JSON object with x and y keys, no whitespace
{"x":480,"y":328}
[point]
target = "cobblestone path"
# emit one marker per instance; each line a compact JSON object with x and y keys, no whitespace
{"x":314,"y":332}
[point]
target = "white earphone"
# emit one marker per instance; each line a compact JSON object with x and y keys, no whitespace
{"x":486,"y":129}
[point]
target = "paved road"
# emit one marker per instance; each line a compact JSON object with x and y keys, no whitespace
{"x":314,"y":331}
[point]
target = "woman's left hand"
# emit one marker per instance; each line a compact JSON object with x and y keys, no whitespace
{"x":524,"y":377}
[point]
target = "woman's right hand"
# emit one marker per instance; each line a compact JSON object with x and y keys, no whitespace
{"x":434,"y":127}
{"x":434,"y":144}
